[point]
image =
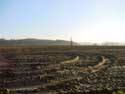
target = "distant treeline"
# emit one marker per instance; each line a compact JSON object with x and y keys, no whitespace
{"x":23,"y":42}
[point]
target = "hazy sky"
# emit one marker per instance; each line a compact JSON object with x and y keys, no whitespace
{"x":84,"y":20}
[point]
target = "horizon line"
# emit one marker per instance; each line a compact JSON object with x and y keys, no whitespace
{"x":82,"y":42}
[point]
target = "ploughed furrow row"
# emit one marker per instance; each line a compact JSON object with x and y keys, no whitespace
{"x":62,"y":72}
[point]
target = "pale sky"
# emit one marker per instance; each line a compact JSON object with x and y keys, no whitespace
{"x":83,"y":20}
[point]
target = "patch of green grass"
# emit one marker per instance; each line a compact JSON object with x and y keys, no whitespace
{"x":118,"y":92}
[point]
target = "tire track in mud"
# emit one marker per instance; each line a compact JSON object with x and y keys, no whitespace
{"x":96,"y":68}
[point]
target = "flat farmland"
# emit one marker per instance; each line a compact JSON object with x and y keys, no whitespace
{"x":62,"y":69}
